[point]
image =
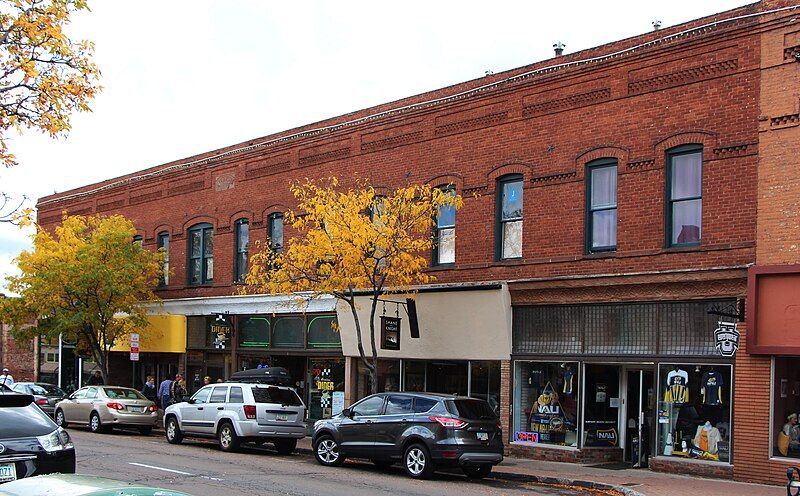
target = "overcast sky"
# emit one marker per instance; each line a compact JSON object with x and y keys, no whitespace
{"x":184,"y":77}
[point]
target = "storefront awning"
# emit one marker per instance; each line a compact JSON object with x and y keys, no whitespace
{"x":164,"y":334}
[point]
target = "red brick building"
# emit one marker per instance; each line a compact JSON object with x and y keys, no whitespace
{"x":611,"y":213}
{"x":19,"y":357}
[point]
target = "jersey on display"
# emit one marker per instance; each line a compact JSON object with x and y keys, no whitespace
{"x":677,"y":390}
{"x":711,"y":385}
{"x":568,"y":375}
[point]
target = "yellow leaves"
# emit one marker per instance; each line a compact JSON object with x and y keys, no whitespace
{"x":352,"y":239}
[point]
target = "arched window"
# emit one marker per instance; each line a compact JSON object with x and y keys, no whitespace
{"x":444,"y":236}
{"x":201,"y":254}
{"x":322,"y":333}
{"x":163,"y":244}
{"x":276,"y":231}
{"x":242,"y":228}
{"x":288,"y":332}
{"x":508,"y":236}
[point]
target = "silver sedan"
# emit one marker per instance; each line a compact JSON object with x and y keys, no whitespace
{"x":104,"y":407}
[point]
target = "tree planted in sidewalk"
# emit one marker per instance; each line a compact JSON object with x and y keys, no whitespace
{"x":86,"y":281}
{"x":354,"y":241}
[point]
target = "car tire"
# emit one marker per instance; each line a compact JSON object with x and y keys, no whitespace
{"x":172,"y":431}
{"x":417,"y":461}
{"x":228,"y":440}
{"x":146,"y":430}
{"x":61,"y":420}
{"x":285,"y":446}
{"x":382,"y":463}
{"x":477,"y":471}
{"x":95,"y":425}
{"x":326,"y":451}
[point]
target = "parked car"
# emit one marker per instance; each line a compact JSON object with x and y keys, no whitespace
{"x":104,"y":407}
{"x":422,"y":430}
{"x":239,"y":412}
{"x":45,"y":395}
{"x":30,"y":442}
{"x":80,"y":485}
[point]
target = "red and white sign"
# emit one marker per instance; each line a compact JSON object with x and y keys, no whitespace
{"x":134,"y":347}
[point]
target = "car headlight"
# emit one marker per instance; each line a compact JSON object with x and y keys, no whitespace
{"x":58,"y":440}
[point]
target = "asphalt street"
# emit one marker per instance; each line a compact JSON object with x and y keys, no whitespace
{"x":198,"y":467}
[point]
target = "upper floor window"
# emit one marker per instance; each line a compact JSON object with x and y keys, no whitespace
{"x":601,"y":204}
{"x":684,"y":195}
{"x":242,"y":242}
{"x":444,"y":238}
{"x":509,"y":217}
{"x":138,"y":240}
{"x":201,"y":254}
{"x":163,"y":244}
{"x":276,"y":231}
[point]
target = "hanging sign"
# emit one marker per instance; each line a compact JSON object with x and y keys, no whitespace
{"x":390,"y":333}
{"x":220,"y":332}
{"x":134,"y":347}
{"x":726,"y":338}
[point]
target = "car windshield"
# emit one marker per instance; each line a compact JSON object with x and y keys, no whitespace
{"x":471,"y":409}
{"x":276,"y":395}
{"x":17,"y":421}
{"x":47,"y":390}
{"x":123,"y":394}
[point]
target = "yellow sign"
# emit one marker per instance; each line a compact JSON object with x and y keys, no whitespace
{"x":325,"y":385}
{"x":164,"y":334}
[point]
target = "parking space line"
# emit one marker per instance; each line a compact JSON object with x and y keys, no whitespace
{"x":159,"y":468}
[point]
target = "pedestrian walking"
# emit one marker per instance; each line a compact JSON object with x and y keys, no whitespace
{"x":177,"y":390}
{"x":164,"y":397}
{"x":6,"y":379}
{"x":96,"y":379}
{"x":149,"y":389}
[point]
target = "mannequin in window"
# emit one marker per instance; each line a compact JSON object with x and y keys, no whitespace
{"x":677,"y":386}
{"x":707,"y":438}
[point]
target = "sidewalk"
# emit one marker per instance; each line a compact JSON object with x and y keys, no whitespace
{"x":631,"y":482}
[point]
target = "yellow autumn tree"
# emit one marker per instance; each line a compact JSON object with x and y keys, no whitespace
{"x":86,"y":282}
{"x":353,"y":241}
{"x":45,"y":76}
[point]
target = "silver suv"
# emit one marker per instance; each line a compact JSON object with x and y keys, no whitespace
{"x":239,"y":412}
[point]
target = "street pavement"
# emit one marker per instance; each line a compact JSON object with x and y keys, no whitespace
{"x":198,"y":467}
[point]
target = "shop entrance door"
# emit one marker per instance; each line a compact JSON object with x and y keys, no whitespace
{"x":637,"y":415}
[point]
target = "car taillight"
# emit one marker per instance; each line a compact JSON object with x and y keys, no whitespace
{"x":113,"y":405}
{"x":41,"y":401}
{"x":152,"y":408}
{"x":250,"y":411}
{"x":448,"y":421}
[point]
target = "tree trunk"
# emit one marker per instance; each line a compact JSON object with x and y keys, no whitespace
{"x":374,"y":370}
{"x":371,"y":366}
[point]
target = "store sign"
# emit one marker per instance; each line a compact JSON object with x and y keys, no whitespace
{"x":220,"y":332}
{"x":390,"y":333}
{"x":134,"y":347}
{"x":526,"y":437}
{"x":726,"y":338}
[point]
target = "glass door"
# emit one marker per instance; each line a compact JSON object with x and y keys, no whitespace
{"x":638,"y":416}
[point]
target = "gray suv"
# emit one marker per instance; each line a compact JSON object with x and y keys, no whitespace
{"x":239,"y":412}
{"x":421,"y":430}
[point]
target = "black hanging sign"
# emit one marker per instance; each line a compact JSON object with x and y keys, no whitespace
{"x":390,"y":333}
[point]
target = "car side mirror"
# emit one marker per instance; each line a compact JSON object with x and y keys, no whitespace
{"x":190,"y":401}
{"x":347,"y":413}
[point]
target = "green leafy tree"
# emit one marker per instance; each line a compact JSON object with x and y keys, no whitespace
{"x":86,"y":281}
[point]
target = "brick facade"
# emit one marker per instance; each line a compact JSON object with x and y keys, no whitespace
{"x":18,"y":356}
{"x":721,"y":87}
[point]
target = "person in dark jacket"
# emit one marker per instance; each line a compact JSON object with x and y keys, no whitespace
{"x":149,"y":389}
{"x":96,"y":379}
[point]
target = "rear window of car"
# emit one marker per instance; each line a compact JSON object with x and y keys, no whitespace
{"x":47,"y":390}
{"x":471,"y":409}
{"x":276,"y":395}
{"x":422,"y":405}
{"x":23,"y":421}
{"x":123,"y":394}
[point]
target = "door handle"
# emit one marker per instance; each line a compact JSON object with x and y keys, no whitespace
{"x":405,"y":420}
{"x":220,"y":408}
{"x":369,"y":421}
{"x":199,"y":407}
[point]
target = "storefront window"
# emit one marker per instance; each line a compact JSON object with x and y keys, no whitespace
{"x":546,"y":403}
{"x":694,"y":411}
{"x":415,"y":375}
{"x":253,"y":332}
{"x":785,"y":408}
{"x":288,"y":332}
{"x":322,"y":333}
{"x":326,"y":389}
{"x":601,"y":406}
{"x":447,"y":377}
{"x":485,"y":383}
{"x":388,"y":377}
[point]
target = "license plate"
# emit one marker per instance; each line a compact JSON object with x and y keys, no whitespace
{"x":136,"y":409}
{"x":483,"y":436}
{"x":282,"y":416}
{"x":8,"y":472}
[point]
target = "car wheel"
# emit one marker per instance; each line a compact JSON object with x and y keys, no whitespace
{"x":477,"y":471}
{"x":61,"y":421}
{"x":417,"y":461}
{"x":146,"y":430}
{"x":172,"y":431}
{"x":326,"y":451}
{"x":228,"y":440}
{"x":285,"y":446}
{"x":382,"y":463}
{"x":94,"y":423}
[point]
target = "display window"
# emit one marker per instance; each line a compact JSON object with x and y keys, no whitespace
{"x":325,"y":388}
{"x":601,"y":406}
{"x":694,"y":411}
{"x":786,"y":408}
{"x":546,"y":403}
{"x":388,"y":377}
